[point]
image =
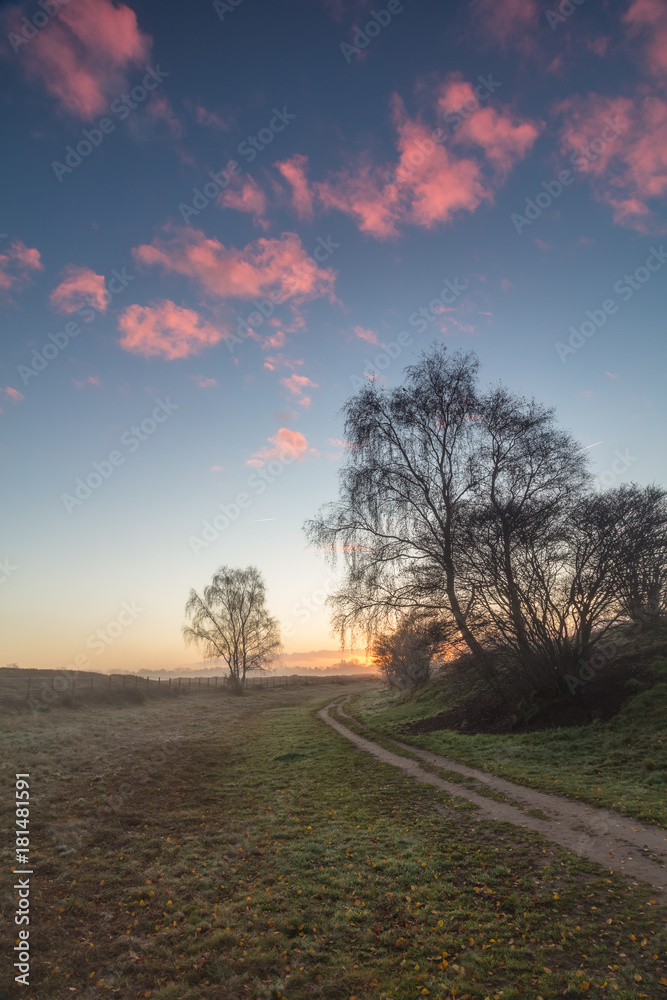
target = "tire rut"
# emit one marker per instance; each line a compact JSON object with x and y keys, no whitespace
{"x":634,"y":849}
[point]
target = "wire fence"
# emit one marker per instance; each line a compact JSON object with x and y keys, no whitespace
{"x":43,"y":688}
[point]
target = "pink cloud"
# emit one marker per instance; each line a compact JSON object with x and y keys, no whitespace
{"x":282,"y":361}
{"x":367,"y":335}
{"x":504,"y":139}
{"x":431,"y":183}
{"x":81,"y":286}
{"x":13,"y":394}
{"x":294,"y":171}
{"x":509,"y":22}
{"x":84,"y":57}
{"x":296,"y":385}
{"x":217,"y":468}
{"x":649,"y":18}
{"x":210,"y":119}
{"x":159,"y":109}
{"x":285,"y":445}
{"x":264,"y":266}
{"x":165,"y":330}
{"x":204,"y":382}
{"x":91,"y":380}
{"x":277,"y":339}
{"x":629,"y":172}
{"x":246,"y":196}
{"x":16,"y":263}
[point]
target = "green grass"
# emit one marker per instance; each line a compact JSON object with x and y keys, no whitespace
{"x":267,"y":857}
{"x":619,"y":764}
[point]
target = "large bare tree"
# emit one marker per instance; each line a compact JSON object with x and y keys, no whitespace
{"x":230,"y":621}
{"x":474,"y":510}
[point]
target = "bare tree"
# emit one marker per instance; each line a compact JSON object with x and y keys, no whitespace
{"x":405,"y":656}
{"x":475,"y":510}
{"x":229,"y":621}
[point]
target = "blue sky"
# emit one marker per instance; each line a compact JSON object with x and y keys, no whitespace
{"x":415,"y":152}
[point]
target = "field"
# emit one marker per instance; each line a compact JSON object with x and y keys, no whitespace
{"x":238,"y":848}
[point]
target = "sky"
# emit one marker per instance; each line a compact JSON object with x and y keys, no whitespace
{"x":219,"y":219}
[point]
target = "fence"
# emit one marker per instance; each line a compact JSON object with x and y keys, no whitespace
{"x":48,"y":686}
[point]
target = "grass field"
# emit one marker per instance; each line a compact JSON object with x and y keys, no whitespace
{"x":238,"y":848}
{"x":619,"y":764}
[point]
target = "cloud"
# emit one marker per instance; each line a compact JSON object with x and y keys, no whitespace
{"x":294,"y":171}
{"x":366,"y":335}
{"x":217,"y":468}
{"x":16,"y":263}
{"x":165,"y":330}
{"x":296,"y":384}
{"x":84,"y":55}
{"x":204,"y":382}
{"x":160,"y":110}
{"x":629,"y":172}
{"x":431,"y":182}
{"x":13,"y":394}
{"x":277,"y":339}
{"x":285,"y":445}
{"x":509,"y":22}
{"x":91,"y":380}
{"x":210,"y":119}
{"x":282,"y":361}
{"x":81,"y":286}
{"x":503,"y":138}
{"x":648,"y":18}
{"x":281,"y":266}
{"x":246,"y":196}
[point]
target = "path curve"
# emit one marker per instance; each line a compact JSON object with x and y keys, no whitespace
{"x":635,"y":849}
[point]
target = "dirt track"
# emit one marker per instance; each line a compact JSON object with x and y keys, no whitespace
{"x":635,"y":849}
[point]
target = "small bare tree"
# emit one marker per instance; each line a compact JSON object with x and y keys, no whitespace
{"x":405,"y":656}
{"x":230,"y":621}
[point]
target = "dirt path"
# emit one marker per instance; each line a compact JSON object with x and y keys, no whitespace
{"x":635,"y":849}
